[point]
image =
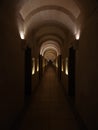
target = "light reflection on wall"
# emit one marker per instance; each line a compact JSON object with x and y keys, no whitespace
{"x":66,"y":66}
{"x":62,"y":65}
{"x":56,"y":63}
{"x":33,"y":67}
{"x":77,"y":34}
{"x":37,"y":65}
{"x":22,"y":35}
{"x":21,"y":27}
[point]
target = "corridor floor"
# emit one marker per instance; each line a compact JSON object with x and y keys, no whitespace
{"x":49,"y":109}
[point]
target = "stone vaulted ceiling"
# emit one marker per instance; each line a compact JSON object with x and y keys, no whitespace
{"x":32,"y":14}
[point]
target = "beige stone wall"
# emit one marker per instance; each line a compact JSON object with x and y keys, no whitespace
{"x":11,"y":68}
{"x":87,"y":73}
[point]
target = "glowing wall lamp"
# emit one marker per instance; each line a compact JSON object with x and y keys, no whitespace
{"x":66,"y":66}
{"x":77,"y":35}
{"x":33,"y":67}
{"x":37,"y":65}
{"x":23,"y":41}
{"x":22,"y":35}
{"x":62,"y":66}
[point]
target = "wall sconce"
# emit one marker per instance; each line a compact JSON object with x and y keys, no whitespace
{"x":37,"y":65}
{"x":23,"y":41}
{"x":33,"y":67}
{"x":22,"y":35}
{"x":77,"y":35}
{"x":62,"y":66}
{"x":66,"y":66}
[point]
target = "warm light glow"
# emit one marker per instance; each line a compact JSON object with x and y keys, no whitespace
{"x":21,"y":27}
{"x":62,"y":66}
{"x":66,"y":66}
{"x":33,"y":71}
{"x":37,"y":65}
{"x":78,"y":35}
{"x":50,"y":45}
{"x":33,"y":67}
{"x":37,"y":68}
{"x":22,"y":35}
{"x":50,"y":56}
{"x":56,"y":63}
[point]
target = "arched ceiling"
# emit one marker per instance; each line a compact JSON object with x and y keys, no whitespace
{"x":30,"y":5}
{"x":61,"y":14}
{"x":50,"y":15}
{"x":50,"y":55}
{"x":34,"y":15}
{"x":52,"y":45}
{"x":49,"y":32}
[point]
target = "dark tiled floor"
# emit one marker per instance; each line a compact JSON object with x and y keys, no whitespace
{"x":49,"y":109}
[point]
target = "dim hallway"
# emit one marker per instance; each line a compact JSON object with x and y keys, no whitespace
{"x":49,"y":109}
{"x":33,"y":32}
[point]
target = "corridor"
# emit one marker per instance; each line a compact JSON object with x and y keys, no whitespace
{"x":49,"y":109}
{"x":64,"y":94}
